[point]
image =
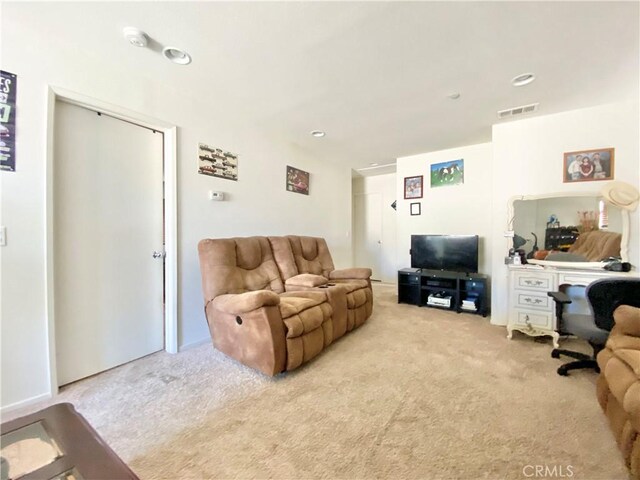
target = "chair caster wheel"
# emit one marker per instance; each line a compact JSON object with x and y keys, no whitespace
{"x":555,"y":353}
{"x":563,"y":372}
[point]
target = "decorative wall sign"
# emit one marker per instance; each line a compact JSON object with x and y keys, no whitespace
{"x":413,"y":187}
{"x":8,"y":88}
{"x":588,"y":165}
{"x":297,"y":180}
{"x":415,"y":209}
{"x":217,"y":163}
{"x":447,"y":173}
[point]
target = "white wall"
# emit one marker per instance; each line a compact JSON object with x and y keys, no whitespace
{"x":385,"y":185}
{"x":258,"y":203}
{"x":456,"y":210}
{"x":528,"y":160}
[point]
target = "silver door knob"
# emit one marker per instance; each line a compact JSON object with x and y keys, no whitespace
{"x":157,"y":254}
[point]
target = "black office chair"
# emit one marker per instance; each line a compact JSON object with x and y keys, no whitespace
{"x":604,"y":297}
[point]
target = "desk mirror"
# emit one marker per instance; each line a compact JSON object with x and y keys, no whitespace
{"x":575,"y":230}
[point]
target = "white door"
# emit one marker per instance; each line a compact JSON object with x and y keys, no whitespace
{"x":108,"y":220}
{"x":368,"y":232}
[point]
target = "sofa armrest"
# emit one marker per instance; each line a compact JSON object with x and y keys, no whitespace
{"x":359,"y":273}
{"x":627,"y":320}
{"x":306,"y":280}
{"x":245,"y":302}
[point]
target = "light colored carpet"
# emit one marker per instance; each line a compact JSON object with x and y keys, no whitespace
{"x":414,"y":393}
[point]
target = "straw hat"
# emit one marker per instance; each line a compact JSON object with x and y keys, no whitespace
{"x":621,"y":195}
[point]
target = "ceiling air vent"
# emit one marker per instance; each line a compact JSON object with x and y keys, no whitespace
{"x":515,"y":111}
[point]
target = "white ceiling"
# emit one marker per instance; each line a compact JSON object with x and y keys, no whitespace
{"x":374,"y":75}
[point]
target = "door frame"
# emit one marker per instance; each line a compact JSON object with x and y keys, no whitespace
{"x":379,"y":259}
{"x":170,"y":216}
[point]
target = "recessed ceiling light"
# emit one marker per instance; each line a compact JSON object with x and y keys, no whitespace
{"x":454,"y":96}
{"x":318,"y":133}
{"x":176,"y":55}
{"x":523,"y":79}
{"x":135,"y":36}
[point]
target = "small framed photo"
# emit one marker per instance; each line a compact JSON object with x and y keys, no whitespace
{"x":414,"y":208}
{"x":413,"y":187}
{"x":297,"y":180}
{"x":589,"y":165}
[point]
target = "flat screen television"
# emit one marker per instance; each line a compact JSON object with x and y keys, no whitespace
{"x":456,"y":253}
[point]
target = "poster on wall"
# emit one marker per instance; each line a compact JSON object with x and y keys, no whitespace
{"x":447,"y":173}
{"x":297,"y":180}
{"x":8,"y":86}
{"x":217,"y":163}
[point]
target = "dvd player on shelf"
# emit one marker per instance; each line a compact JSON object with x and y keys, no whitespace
{"x":439,"y":300}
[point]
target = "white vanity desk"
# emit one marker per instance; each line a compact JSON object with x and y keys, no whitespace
{"x":531,"y":310}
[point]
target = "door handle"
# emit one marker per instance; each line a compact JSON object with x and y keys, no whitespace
{"x":157,"y":254}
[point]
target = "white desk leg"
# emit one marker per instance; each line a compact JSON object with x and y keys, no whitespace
{"x":556,"y":338}
{"x":509,"y":333}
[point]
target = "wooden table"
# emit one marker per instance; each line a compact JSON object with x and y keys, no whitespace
{"x":82,"y":453}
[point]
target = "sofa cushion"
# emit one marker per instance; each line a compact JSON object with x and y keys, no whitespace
{"x":350,"y":285}
{"x":348,"y":273}
{"x":302,"y":315}
{"x":238,"y":265}
{"x":306,"y":280}
{"x":311,"y":255}
{"x":356,"y":299}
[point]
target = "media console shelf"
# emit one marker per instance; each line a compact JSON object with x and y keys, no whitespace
{"x":461,"y":292}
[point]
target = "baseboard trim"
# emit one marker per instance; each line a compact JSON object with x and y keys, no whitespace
{"x":197,"y":343}
{"x":24,"y":403}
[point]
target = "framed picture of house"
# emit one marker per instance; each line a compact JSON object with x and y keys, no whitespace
{"x":413,"y":187}
{"x":589,"y":165}
{"x":297,"y":180}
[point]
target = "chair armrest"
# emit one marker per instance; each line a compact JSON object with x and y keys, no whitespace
{"x":359,"y":273}
{"x":627,"y":320}
{"x":306,"y":280}
{"x":559,"y":297}
{"x":245,"y":302}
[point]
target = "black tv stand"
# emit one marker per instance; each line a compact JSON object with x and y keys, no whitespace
{"x":457,"y":291}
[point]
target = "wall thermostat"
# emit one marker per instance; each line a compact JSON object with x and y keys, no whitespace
{"x":218,"y":196}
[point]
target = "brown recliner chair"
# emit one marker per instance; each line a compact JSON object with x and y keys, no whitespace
{"x":305,"y":263}
{"x":618,"y":385}
{"x":251,"y":318}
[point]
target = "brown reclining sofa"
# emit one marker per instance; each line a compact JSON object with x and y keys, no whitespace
{"x":275,"y":303}
{"x":618,"y":385}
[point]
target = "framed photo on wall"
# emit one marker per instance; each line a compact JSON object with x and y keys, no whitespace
{"x":415,"y":208}
{"x":413,"y":187}
{"x":447,"y":173}
{"x":589,"y":165}
{"x":297,"y":180}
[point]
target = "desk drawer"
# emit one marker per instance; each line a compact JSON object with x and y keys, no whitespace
{"x":535,"y":319}
{"x":531,"y":299}
{"x":577,"y":279}
{"x":534,"y":281}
